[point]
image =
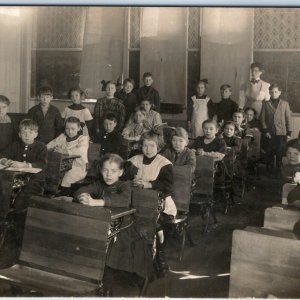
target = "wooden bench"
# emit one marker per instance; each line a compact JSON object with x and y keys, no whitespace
{"x":264,"y":262}
{"x":64,"y":248}
{"x":281,"y":218}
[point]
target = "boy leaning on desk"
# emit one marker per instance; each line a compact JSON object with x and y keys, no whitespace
{"x":26,"y":154}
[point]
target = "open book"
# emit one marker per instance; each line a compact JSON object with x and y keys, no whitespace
{"x":26,"y":170}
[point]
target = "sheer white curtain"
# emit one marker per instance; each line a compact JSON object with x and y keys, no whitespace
{"x":102,"y":54}
{"x":226,"y":48}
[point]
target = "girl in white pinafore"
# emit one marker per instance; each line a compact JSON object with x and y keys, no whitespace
{"x":72,"y":142}
{"x":198,"y":109}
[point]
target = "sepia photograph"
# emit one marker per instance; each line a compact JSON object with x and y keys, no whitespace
{"x":149,"y":151}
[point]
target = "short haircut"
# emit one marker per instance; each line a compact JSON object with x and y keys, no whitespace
{"x":73,"y":120}
{"x":5,"y":100}
{"x":150,"y":135}
{"x":239,"y":111}
{"x":210,"y":121}
{"x":258,"y":65}
{"x":75,"y":89}
{"x":180,"y":132}
{"x":295,"y":144}
{"x":229,"y":123}
{"x":225,"y":86}
{"x":110,"y":117}
{"x":274,"y":86}
{"x":251,"y":108}
{"x":45,"y":90}
{"x":111,"y":157}
{"x":130,"y":80}
{"x":28,"y":123}
{"x":147,"y":74}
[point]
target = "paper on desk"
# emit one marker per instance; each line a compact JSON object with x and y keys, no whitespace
{"x":27,"y":170}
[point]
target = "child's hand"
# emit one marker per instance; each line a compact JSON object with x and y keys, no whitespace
{"x":200,"y":151}
{"x":268,"y":135}
{"x":194,"y":98}
{"x":142,"y":183}
{"x":18,"y":164}
{"x":86,"y":199}
{"x":125,"y":132}
{"x":297,"y":177}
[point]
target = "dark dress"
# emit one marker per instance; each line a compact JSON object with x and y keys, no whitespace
{"x":150,"y":93}
{"x":234,"y":142}
{"x":129,"y":101}
{"x":36,"y":154}
{"x":50,"y":126}
{"x":225,"y":109}
{"x":8,"y":134}
{"x":217,"y":145}
{"x":110,"y":142}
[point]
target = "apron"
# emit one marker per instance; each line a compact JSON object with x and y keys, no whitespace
{"x":200,"y":114}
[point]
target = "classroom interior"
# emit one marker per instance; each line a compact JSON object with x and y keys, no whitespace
{"x":251,"y":251}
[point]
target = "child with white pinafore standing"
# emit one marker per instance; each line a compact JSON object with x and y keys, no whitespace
{"x":198,"y":109}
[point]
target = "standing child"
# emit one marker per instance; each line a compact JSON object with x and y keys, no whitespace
{"x":226,"y":107}
{"x":109,"y":104}
{"x":77,"y":110}
{"x":108,"y":191}
{"x":72,"y":142}
{"x":148,"y":92}
{"x":179,"y":154}
{"x":128,"y":97}
{"x":276,"y":126}
{"x":7,"y":124}
{"x":109,"y":138}
{"x":47,"y":116}
{"x":232,"y":141}
{"x":197,"y":111}
{"x":209,"y":144}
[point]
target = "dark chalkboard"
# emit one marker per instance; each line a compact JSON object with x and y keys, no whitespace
{"x":283,"y":68}
{"x":58,"y":69}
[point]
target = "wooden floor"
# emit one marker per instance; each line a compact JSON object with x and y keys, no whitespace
{"x":204,"y":270}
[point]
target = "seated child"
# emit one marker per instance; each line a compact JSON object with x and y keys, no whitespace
{"x":233,"y":142}
{"x":7,"y":125}
{"x":79,"y":111}
{"x":251,"y":118}
{"x":108,"y":190}
{"x":291,"y":171}
{"x":27,"y":153}
{"x":128,"y":97}
{"x":226,"y":107}
{"x":239,"y":121}
{"x":109,"y":138}
{"x":178,"y":153}
{"x":47,"y":116}
{"x":155,"y":172}
{"x":209,"y":144}
{"x":152,"y":116}
{"x":72,"y":142}
{"x":134,"y":130}
{"x":148,"y":92}
{"x":106,"y":105}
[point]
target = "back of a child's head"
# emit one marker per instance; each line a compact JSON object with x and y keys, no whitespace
{"x":28,"y":124}
{"x":45,"y":90}
{"x":5,"y":100}
{"x":110,"y":117}
{"x":294,"y":144}
{"x":225,"y":86}
{"x":180,"y":132}
{"x":73,"y":120}
{"x":76,"y":89}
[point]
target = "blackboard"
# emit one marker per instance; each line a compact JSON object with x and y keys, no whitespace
{"x":282,"y":67}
